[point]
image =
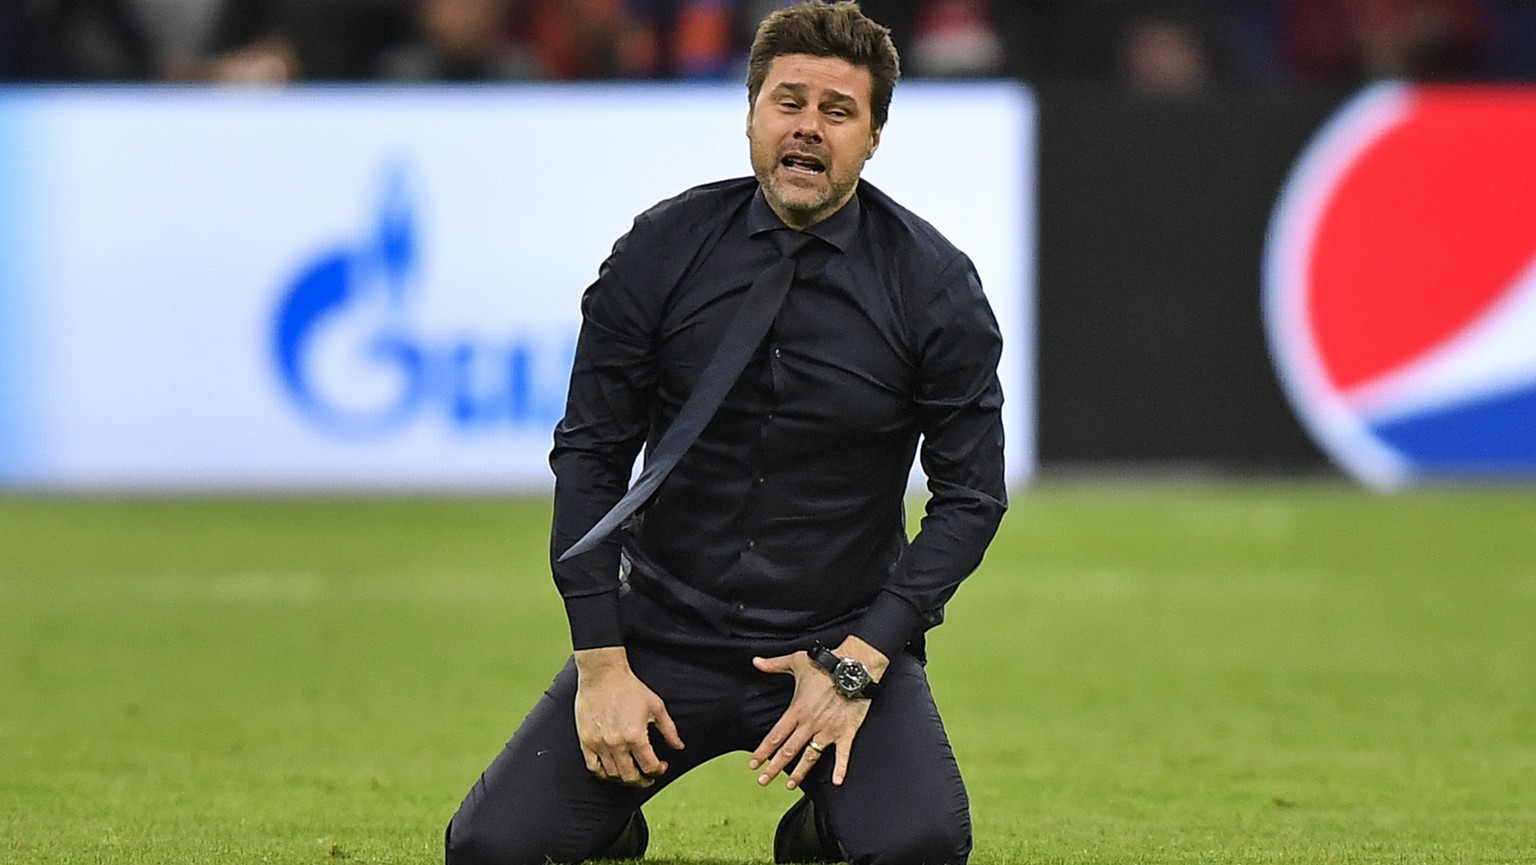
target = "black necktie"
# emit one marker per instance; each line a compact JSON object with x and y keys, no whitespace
{"x":742,"y":337}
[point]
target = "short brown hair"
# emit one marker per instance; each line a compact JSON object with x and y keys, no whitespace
{"x":828,"y":30}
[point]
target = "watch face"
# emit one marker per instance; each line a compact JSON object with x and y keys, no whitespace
{"x":850,"y":677}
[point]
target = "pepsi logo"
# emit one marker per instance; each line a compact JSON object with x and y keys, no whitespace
{"x":1400,"y":284}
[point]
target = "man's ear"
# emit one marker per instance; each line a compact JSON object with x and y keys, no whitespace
{"x":747,"y":127}
{"x":874,"y":141}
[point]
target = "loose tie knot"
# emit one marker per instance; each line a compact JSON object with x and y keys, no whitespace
{"x":790,"y":242}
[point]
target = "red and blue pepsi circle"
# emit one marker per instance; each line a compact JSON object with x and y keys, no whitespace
{"x":1400,"y":285}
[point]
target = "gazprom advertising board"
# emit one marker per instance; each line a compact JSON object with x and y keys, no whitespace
{"x":378,"y":288}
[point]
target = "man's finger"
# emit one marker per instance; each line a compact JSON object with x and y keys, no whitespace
{"x":808,"y":759}
{"x":608,"y":767}
{"x":668,"y":728}
{"x":783,"y":756}
{"x":776,"y":737}
{"x":840,"y":764}
{"x":631,"y":774}
{"x":645,"y":758}
{"x":594,"y":765}
{"x":780,"y":664}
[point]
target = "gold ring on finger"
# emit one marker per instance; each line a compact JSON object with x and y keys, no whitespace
{"x":814,"y":747}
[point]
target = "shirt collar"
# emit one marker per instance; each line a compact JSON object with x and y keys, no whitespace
{"x":838,"y":229}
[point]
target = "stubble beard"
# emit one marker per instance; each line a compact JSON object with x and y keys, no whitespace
{"x":806,"y":211}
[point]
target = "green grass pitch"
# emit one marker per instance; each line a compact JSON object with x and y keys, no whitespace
{"x":1139,"y":673}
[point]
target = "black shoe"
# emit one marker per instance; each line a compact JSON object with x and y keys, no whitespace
{"x":631,"y":842}
{"x":801,"y":837}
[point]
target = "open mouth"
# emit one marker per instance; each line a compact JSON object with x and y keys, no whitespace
{"x":803,"y":163}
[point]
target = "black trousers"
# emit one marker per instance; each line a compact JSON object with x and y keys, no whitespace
{"x":902,"y":803}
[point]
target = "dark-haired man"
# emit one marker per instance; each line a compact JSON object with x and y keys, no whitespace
{"x":766,"y":597}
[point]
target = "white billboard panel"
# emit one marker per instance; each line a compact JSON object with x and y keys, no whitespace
{"x":354,"y":288}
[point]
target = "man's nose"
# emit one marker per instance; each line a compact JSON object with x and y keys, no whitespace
{"x":809,"y":129}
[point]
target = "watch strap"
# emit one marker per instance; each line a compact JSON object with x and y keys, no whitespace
{"x":824,"y":657}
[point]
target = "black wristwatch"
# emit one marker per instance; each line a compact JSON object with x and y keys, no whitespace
{"x":850,"y":677}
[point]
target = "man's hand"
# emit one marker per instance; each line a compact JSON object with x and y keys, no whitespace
{"x":614,"y":713}
{"x":817,"y":714}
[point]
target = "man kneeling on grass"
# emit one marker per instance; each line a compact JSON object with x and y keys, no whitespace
{"x":778,"y":344}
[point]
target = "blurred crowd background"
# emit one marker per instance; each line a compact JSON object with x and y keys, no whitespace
{"x":1161,"y":46}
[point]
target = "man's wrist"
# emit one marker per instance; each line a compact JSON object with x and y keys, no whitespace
{"x":872,"y":658}
{"x":850,"y":677}
{"x":602,"y":661}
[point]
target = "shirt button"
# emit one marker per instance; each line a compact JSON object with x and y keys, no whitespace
{"x":751,"y":544}
{"x":741,"y":608}
{"x":777,"y":353}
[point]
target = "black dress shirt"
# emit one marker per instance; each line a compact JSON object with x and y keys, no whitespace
{"x":785,"y":520}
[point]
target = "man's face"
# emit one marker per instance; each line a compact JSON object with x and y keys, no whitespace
{"x":811,"y":133}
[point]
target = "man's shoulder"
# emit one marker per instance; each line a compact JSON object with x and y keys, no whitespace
{"x":671,"y":235}
{"x":902,"y":232}
{"x":700,"y":205}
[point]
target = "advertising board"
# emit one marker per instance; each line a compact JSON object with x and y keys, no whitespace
{"x":377,"y":288}
{"x":1400,"y":285}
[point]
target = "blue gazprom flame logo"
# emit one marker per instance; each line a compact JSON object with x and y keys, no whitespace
{"x":351,"y":357}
